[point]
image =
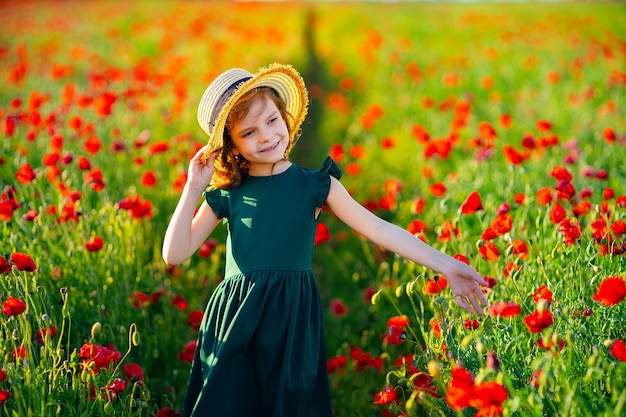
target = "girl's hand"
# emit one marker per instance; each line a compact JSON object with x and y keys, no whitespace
{"x":200,"y":169}
{"x":465,"y":284}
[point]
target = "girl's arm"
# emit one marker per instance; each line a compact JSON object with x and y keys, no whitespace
{"x":186,"y":232}
{"x":464,"y":281}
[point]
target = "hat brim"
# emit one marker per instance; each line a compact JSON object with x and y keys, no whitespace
{"x":289,"y":85}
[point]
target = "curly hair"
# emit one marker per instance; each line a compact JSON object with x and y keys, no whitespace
{"x":229,"y":172}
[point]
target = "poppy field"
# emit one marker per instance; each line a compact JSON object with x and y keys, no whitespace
{"x":495,"y":134}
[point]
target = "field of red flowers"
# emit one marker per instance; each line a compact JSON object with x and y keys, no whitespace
{"x":496,"y":134}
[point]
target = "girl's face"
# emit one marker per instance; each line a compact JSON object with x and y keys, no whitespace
{"x":261,"y":137}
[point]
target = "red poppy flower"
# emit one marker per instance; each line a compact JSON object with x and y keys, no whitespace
{"x":488,"y":398}
{"x":544,"y":196}
{"x":132,"y":372}
{"x":25,"y":174}
{"x":195,"y":319}
{"x":557,"y":214}
{"x":139,"y":299}
{"x":435,"y":326}
{"x":336,"y":152}
{"x":335,"y":363}
{"x":608,"y":133}
{"x":571,"y":229}
{"x":4,"y":396}
{"x":5,"y":266}
{"x":148,"y":179}
{"x":353,"y":169}
{"x":513,"y":155}
{"x":92,"y":145}
{"x":101,"y":356}
{"x":472,"y":203}
{"x":23,"y":262}
{"x":438,"y":189}
{"x":187,"y":354}
{"x":42,"y":333}
{"x":611,"y":291}
{"x":396,"y":333}
{"x":471,"y":324}
{"x":542,"y":293}
{"x":460,"y":389}
{"x":420,"y":134}
{"x":519,"y":248}
{"x":435,"y":285}
{"x":166,"y":412}
{"x":322,"y":234}
{"x":180,"y":302}
{"x":552,"y":343}
{"x":13,"y":306}
{"x":504,"y":309}
{"x":539,"y":320}
{"x":502,"y":224}
{"x":618,"y":349}
{"x":386,"y":396}
{"x":95,"y":244}
{"x":338,"y":307}
{"x":94,"y":179}
{"x":138,"y":207}
{"x":489,"y":252}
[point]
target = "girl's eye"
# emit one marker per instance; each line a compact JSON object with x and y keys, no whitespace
{"x":247,"y":133}
{"x":273,"y":119}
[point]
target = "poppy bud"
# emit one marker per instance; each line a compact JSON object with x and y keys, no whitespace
{"x":96,"y":329}
{"x":434,"y":368}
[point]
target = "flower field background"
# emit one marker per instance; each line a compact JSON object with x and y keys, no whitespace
{"x":495,"y":133}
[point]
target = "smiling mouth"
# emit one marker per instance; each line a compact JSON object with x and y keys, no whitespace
{"x":271,"y":148}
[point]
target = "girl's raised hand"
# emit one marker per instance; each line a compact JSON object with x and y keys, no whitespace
{"x":201,"y":169}
{"x":465,"y":284}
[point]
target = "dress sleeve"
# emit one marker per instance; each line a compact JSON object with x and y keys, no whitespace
{"x":218,"y":200}
{"x":329,"y":167}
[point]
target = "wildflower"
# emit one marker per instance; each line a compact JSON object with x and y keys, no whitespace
{"x":438,"y":189}
{"x":187,"y":354}
{"x":486,"y":397}
{"x":321,"y":233}
{"x":471,"y":324}
{"x":618,"y":349}
{"x":435,"y":285}
{"x":504,"y":309}
{"x":396,"y":333}
{"x":138,"y":207}
{"x":611,"y":291}
{"x":538,"y":320}
{"x":435,"y":326}
{"x":472,"y":203}
{"x":139,"y":299}
{"x":3,"y":375}
{"x":195,"y":319}
{"x":25,"y":174}
{"x":166,"y":412}
{"x":542,"y":293}
{"x":23,"y":262}
{"x":386,"y":396}
{"x":45,"y":332}
{"x":338,"y":308}
{"x":5,"y":266}
{"x":102,"y":357}
{"x":335,"y":363}
{"x":132,"y":372}
{"x":4,"y":396}
{"x":95,"y":244}
{"x":489,"y":251}
{"x":180,"y":302}
{"x":13,"y":306}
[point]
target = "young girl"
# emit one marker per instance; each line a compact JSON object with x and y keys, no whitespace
{"x":261,"y":346}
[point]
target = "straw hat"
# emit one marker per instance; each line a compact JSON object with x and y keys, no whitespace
{"x":222,"y":94}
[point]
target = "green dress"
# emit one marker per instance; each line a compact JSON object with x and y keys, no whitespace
{"x":261,"y":348}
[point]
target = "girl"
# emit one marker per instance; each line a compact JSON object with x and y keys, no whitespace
{"x":261,"y":346}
